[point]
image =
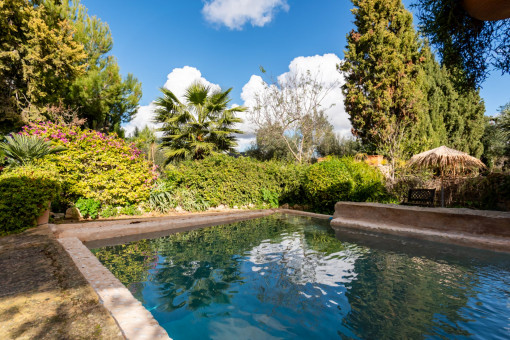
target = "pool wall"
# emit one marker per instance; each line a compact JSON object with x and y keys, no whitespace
{"x":466,"y":227}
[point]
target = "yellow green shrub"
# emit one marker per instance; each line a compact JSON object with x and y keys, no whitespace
{"x":98,"y":166}
{"x":25,"y":193}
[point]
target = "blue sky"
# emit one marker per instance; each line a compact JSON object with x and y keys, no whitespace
{"x":227,"y":40}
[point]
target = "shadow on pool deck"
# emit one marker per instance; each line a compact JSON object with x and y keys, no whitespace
{"x":44,"y":296}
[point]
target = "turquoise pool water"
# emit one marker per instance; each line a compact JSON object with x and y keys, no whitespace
{"x":289,"y":277}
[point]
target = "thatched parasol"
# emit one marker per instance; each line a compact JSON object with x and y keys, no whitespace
{"x":444,"y":158}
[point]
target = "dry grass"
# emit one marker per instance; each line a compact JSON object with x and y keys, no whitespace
{"x":44,"y":296}
{"x":445,"y":158}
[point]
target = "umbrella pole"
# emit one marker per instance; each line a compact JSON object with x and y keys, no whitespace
{"x":442,"y":190}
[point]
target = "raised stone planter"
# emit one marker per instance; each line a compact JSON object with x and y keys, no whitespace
{"x":483,"y":229}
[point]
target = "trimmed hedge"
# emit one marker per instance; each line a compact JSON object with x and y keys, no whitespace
{"x":238,"y":181}
{"x":25,"y":193}
{"x":342,"y":179}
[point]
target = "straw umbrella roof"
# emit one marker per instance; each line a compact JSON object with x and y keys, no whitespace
{"x":443,"y":158}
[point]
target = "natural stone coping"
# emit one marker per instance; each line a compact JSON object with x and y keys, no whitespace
{"x":452,"y":211}
{"x":134,"y":320}
{"x":466,"y":227}
{"x":305,"y":213}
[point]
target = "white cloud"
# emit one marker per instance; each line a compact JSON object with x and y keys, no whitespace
{"x":177,"y":82}
{"x":143,"y":118}
{"x":250,"y":89}
{"x":180,"y":78}
{"x":236,"y":13}
{"x":324,"y":68}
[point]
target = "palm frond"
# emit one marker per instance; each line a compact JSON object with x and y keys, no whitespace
{"x":199,"y":126}
{"x":196,"y":94}
{"x":23,"y":149}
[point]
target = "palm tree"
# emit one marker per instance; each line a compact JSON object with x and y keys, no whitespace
{"x":201,"y":126}
{"x":22,"y":149}
{"x":147,"y":140}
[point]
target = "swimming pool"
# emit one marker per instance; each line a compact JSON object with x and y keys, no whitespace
{"x":286,"y":276}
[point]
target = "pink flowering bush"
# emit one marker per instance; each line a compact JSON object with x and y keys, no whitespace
{"x":95,"y":165}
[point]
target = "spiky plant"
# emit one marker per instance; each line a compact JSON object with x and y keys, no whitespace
{"x":23,"y":150}
{"x":200,"y":126}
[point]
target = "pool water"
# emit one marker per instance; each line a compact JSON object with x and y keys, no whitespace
{"x":291,"y":277}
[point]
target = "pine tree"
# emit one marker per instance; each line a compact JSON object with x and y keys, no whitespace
{"x":383,"y":92}
{"x":53,"y":54}
{"x":104,"y":98}
{"x":39,"y":58}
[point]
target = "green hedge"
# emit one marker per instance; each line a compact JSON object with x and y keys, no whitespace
{"x":24,"y":195}
{"x":342,"y":179}
{"x":237,"y":181}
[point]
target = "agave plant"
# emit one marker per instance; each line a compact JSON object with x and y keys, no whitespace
{"x":23,"y":150}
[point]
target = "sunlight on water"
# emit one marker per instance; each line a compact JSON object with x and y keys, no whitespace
{"x":293,"y":277}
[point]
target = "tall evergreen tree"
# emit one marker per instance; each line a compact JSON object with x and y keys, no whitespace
{"x":383,"y":93}
{"x":53,"y":54}
{"x":39,"y":59}
{"x":400,"y":100}
{"x":104,"y":98}
{"x":456,"y":114}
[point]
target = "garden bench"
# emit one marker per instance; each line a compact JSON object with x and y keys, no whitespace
{"x":423,"y":197}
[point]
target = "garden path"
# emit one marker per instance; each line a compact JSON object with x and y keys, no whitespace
{"x":44,"y":296}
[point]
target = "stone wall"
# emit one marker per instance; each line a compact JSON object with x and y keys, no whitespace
{"x":487,"y":229}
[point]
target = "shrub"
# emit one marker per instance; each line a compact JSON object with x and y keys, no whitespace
{"x":190,"y":200}
{"x":88,"y":207}
{"x":270,"y":197}
{"x":25,"y":193}
{"x":342,"y":179}
{"x":238,"y":182}
{"x":113,"y":211}
{"x":109,"y":211}
{"x":98,"y":166}
{"x":490,"y":192}
{"x":129,"y":210}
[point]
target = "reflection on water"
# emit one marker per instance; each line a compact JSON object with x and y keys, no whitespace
{"x":292,"y":277}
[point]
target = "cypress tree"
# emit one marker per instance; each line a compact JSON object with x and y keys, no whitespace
{"x":383,"y":89}
{"x":456,"y":114}
{"x":400,"y":100}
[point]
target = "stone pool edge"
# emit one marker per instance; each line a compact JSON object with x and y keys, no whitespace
{"x":133,"y":319}
{"x":481,"y":229}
